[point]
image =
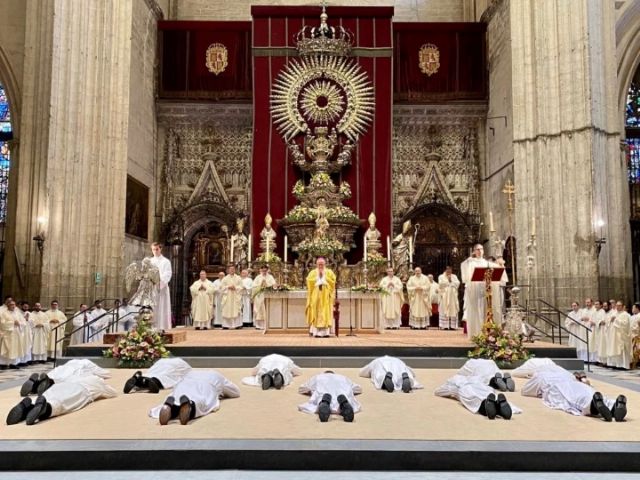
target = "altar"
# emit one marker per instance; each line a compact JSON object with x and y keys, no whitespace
{"x":285,"y":311}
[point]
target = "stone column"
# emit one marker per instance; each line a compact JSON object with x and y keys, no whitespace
{"x":87,"y":155}
{"x":568,"y":169}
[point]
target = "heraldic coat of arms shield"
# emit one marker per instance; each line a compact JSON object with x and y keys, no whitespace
{"x":217,"y":58}
{"x":429,"y":56}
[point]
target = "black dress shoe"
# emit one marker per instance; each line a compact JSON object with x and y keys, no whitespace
{"x":19,"y":413}
{"x":153,"y":385}
{"x":44,"y":384}
{"x":490,"y":406}
{"x":508,"y":381}
{"x":498,"y":382}
{"x":41,"y":411}
{"x":30,"y":386}
{"x":167,"y":411}
{"x":406,"y":383}
{"x":346,"y":410}
{"x":278,"y":379}
{"x":597,"y":404}
{"x":324,"y":408}
{"x":267,"y":381}
{"x":620,"y":408}
{"x":504,"y":409}
{"x":387,"y":383}
{"x":134,"y":381}
{"x":187,"y":410}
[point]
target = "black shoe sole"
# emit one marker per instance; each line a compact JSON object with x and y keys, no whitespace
{"x":129,"y":384}
{"x":278,"y":380}
{"x":37,"y":411}
{"x":491,"y":407}
{"x":324,"y":412}
{"x":185,"y":413}
{"x":504,"y":409}
{"x":601,"y":407}
{"x":406,"y":384}
{"x":30,"y":385}
{"x":387,"y":385}
{"x":509,"y":382}
{"x":18,"y":413}
{"x":620,"y":409}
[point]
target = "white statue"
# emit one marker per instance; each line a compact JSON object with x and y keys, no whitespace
{"x":240,"y":244}
{"x":372,"y":235}
{"x":268,"y":235}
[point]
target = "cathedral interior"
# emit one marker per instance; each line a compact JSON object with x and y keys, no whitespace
{"x":164,"y":131}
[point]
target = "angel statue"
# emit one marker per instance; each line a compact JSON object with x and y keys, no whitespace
{"x":148,"y":276}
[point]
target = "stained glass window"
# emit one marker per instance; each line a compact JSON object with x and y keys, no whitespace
{"x":5,"y":154}
{"x":633,"y":103}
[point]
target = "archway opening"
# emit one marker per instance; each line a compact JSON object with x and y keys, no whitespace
{"x":6,"y":135}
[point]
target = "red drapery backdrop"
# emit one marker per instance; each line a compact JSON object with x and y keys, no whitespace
{"x":183,"y":70}
{"x":273,"y":174}
{"x":462,"y":74}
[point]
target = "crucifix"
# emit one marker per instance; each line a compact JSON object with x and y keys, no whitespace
{"x":509,"y":190}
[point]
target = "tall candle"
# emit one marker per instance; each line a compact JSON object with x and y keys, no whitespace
{"x":249,"y":250}
{"x":365,"y":249}
{"x":267,"y":252}
{"x":388,"y":248}
{"x":533,"y":225}
{"x":286,"y":245}
{"x":233,"y":237}
{"x":491,"y":229}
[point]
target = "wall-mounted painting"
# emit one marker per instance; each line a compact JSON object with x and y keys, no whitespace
{"x":137,"y":211}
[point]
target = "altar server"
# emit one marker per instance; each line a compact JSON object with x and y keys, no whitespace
{"x":217,"y":305}
{"x":330,"y":393}
{"x":618,"y":339}
{"x":80,"y":326}
{"x":162,"y":309}
{"x":40,"y":325}
{"x":390,"y":374}
{"x":196,"y":395}
{"x":56,"y":318}
{"x":10,"y":340}
{"x":246,"y":290}
{"x":274,"y":371}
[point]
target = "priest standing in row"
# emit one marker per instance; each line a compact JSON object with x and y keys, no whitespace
{"x":419,"y":290}
{"x":231,"y":286}
{"x":449,"y":305}
{"x":247,"y":286}
{"x":202,"y":293}
{"x":392,"y":300}
{"x":162,"y":309}
{"x":263,"y":280}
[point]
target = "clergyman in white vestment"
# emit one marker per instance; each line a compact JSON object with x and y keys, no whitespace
{"x":202,"y":293}
{"x":268,"y":365}
{"x":196,"y":395}
{"x":263,"y":280}
{"x":331,"y":393}
{"x":390,"y":374}
{"x":162,"y":308}
{"x":165,"y":373}
{"x":449,"y":303}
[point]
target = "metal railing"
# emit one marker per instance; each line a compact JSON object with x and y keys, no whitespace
{"x":557,"y":326}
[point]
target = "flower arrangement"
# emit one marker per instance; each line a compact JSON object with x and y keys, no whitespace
{"x":300,"y":213}
{"x":298,"y":189}
{"x":139,"y":348}
{"x":369,"y":289}
{"x":375,"y":259}
{"x":271,"y":257}
{"x":342,"y":214}
{"x":345,"y":190}
{"x":322,"y":181}
{"x":321,"y":246}
{"x":497,"y":344}
{"x":275,"y":288}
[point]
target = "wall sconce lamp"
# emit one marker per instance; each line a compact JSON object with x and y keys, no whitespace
{"x":600,"y":240}
{"x":39,"y":238}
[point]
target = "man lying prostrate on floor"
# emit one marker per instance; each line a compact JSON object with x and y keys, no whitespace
{"x":533,"y":365}
{"x":273,"y":371}
{"x":196,"y":395}
{"x":390,"y":374}
{"x":489,"y":372}
{"x":165,"y":373}
{"x":61,"y":398}
{"x":566,"y":391}
{"x":330,"y":393}
{"x":39,"y":383}
{"x":477,"y":396}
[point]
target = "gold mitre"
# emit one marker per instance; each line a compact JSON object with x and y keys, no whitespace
{"x":372,"y":218}
{"x":268,"y":219}
{"x":406,"y":226}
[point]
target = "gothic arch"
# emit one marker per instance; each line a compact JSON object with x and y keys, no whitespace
{"x":12,"y":89}
{"x":627,"y":52}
